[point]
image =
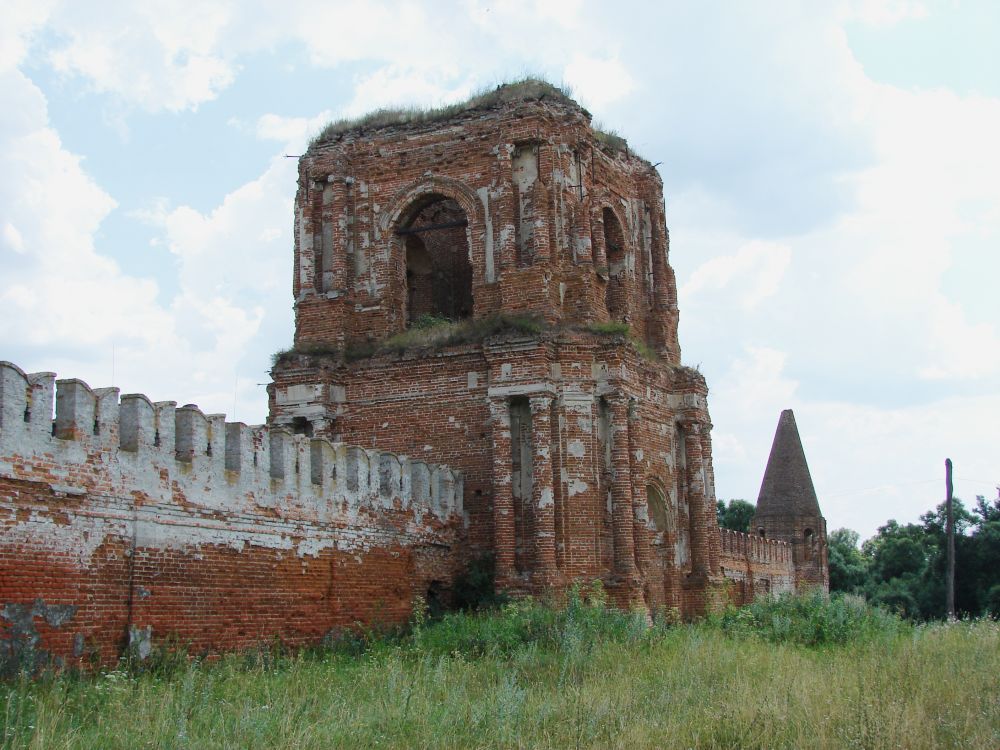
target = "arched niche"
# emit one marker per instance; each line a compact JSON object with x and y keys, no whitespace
{"x":660,"y":512}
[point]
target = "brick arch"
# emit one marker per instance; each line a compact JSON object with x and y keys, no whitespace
{"x":404,"y":207}
{"x":437,"y":185}
{"x":604,"y":199}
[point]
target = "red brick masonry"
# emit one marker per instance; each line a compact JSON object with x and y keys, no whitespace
{"x":575,"y":448}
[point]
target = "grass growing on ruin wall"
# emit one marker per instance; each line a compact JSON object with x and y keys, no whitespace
{"x":532,"y":676}
{"x":431,"y":333}
{"x":618,"y":328}
{"x":523,"y":89}
{"x":526,"y":88}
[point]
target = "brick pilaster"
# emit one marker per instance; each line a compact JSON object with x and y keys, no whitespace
{"x":542,"y":495}
{"x":503,"y":499}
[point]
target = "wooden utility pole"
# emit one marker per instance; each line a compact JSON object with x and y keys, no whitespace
{"x":950,"y":531}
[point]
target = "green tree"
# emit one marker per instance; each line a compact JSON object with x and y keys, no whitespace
{"x":898,"y":560}
{"x":984,"y":556}
{"x":736,"y":516}
{"x":848,"y":567}
{"x":907,"y":563}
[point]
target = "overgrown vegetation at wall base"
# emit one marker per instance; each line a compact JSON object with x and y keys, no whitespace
{"x":810,"y":620}
{"x":531,"y":676}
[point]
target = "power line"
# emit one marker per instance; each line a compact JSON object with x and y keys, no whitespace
{"x":993,"y":483}
{"x":881,"y":487}
{"x":843,"y":493}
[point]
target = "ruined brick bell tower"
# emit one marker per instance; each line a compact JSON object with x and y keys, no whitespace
{"x":489,"y":285}
{"x":485,"y":368}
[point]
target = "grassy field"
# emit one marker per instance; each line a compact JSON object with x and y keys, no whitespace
{"x":795,"y":674}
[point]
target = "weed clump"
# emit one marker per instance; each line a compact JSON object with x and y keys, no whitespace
{"x":611,"y":328}
{"x":585,"y":621}
{"x":528,"y":88}
{"x":620,"y":328}
{"x":430,"y":332}
{"x":475,"y":588}
{"x":610,"y":139}
{"x":810,"y":620}
{"x":316,"y":350}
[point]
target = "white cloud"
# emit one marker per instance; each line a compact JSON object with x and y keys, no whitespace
{"x":234,"y":274}
{"x":869,"y":463}
{"x":12,"y":238}
{"x":752,"y":274}
{"x":402,"y":85}
{"x":73,"y":309}
{"x":598,"y":81}
{"x":291,"y":130}
{"x":875,"y":463}
{"x":157,"y":57}
{"x":21,"y":19}
{"x":930,"y":203}
{"x":58,"y":290}
{"x":881,"y":13}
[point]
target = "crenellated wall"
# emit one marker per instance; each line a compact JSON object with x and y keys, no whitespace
{"x":123,"y":518}
{"x":756,"y":565}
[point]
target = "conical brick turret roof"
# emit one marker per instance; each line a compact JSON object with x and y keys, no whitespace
{"x":787,"y":489}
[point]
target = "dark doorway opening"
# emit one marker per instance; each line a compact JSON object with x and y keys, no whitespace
{"x":438,"y":270}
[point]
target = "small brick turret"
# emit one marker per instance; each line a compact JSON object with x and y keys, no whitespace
{"x":788,"y":510}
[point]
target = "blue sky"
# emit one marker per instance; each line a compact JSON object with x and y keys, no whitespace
{"x":830,"y":174}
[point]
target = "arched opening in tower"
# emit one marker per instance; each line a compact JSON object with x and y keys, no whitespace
{"x":438,"y":270}
{"x":614,"y":246}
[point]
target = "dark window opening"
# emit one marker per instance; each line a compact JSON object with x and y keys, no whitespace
{"x":438,"y":270}
{"x":302,"y":426}
{"x":761,"y":532}
{"x":614,"y":248}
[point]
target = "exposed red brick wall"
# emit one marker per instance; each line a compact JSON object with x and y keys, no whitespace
{"x":212,"y":597}
{"x":126,"y":520}
{"x":560,"y":225}
{"x":170,"y":523}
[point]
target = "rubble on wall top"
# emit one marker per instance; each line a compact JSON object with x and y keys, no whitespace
{"x":514,"y":92}
{"x":528,"y":89}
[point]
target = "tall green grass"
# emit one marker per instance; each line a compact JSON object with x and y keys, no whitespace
{"x":810,"y":620}
{"x":577,"y":676}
